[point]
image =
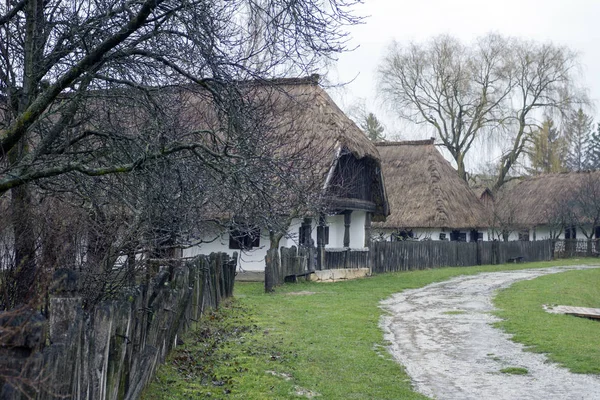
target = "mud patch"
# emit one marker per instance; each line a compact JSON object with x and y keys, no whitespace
{"x":309,"y":394}
{"x":283,"y":375}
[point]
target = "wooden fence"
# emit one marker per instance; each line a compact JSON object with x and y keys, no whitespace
{"x":291,"y":264}
{"x":408,"y":255}
{"x":346,"y":258}
{"x":112,"y":350}
{"x":576,"y":248}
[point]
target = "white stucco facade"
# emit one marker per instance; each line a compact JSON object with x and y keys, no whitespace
{"x":254,"y":259}
{"x":426,"y":234}
{"x":545,"y":232}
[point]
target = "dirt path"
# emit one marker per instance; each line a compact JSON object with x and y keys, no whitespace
{"x":459,"y":355}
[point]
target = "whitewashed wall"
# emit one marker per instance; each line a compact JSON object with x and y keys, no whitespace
{"x":424,"y":233}
{"x":254,"y":260}
{"x":543,"y":233}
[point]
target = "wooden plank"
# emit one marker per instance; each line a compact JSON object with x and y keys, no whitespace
{"x":576,"y":311}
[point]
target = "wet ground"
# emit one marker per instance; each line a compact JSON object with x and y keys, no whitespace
{"x":442,"y":334}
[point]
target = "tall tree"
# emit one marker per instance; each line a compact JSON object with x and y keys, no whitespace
{"x":577,"y":134}
{"x":496,"y":86}
{"x":372,"y":128}
{"x":547,"y":149}
{"x":593,"y":150}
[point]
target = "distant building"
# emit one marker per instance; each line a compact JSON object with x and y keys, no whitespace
{"x":428,"y":200}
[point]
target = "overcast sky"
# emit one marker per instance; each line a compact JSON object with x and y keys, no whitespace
{"x":573,"y":23}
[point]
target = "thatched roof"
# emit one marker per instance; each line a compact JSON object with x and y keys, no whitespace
{"x":298,"y":111}
{"x":316,"y":117}
{"x":481,"y":191}
{"x":548,"y":198}
{"x":298,"y":121}
{"x":424,"y":190}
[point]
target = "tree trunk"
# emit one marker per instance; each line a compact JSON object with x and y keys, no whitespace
{"x":274,"y":239}
{"x":460,"y":166}
{"x":25,"y":264}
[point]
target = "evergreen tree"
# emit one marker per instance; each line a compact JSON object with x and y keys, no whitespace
{"x":593,"y":150}
{"x":578,"y":137}
{"x":547,"y":150}
{"x":373,"y":129}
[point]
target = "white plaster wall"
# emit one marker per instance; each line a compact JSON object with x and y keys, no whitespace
{"x":291,"y":239}
{"x":248,"y":260}
{"x":336,"y":231}
{"x":543,"y":233}
{"x":424,"y":233}
{"x":254,"y":260}
{"x":357,"y":229}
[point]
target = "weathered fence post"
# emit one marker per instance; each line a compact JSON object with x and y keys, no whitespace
{"x":271,"y":266}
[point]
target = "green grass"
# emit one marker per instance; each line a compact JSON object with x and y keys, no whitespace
{"x":454,"y":312}
{"x":515,"y":371}
{"x":570,"y":341}
{"x":285,"y":345}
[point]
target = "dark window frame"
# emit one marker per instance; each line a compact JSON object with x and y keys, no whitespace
{"x":458,"y":236}
{"x":244,"y":239}
{"x":571,"y":232}
{"x":524,"y":235}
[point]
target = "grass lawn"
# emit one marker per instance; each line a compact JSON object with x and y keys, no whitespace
{"x":571,"y":341}
{"x":304,"y":340}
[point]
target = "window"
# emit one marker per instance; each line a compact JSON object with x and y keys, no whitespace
{"x":304,"y":232}
{"x":571,"y":232}
{"x":475,"y":236}
{"x":323,"y":232}
{"x":442,"y":236}
{"x":244,"y":239}
{"x":402,"y":235}
{"x":524,"y":235}
{"x":458,"y":236}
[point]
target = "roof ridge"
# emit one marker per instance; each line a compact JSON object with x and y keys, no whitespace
{"x":407,"y":143}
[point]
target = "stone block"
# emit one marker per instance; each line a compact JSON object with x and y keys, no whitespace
{"x":336,"y":275}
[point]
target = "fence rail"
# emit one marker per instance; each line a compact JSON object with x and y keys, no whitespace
{"x":346,"y":258}
{"x":407,"y":255}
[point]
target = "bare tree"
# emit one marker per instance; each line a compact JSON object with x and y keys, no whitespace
{"x":585,"y":204}
{"x":89,"y":90}
{"x":496,"y":86}
{"x":458,"y":90}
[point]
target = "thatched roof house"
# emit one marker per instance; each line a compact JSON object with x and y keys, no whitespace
{"x":551,"y":199}
{"x":301,"y":127}
{"x":425,"y":191}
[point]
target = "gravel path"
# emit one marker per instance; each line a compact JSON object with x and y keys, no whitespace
{"x":459,"y":356}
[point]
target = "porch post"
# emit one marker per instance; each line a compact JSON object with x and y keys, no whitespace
{"x":321,"y":243}
{"x":367,"y":229}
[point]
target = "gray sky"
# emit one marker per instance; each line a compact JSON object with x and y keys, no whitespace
{"x":574,"y":23}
